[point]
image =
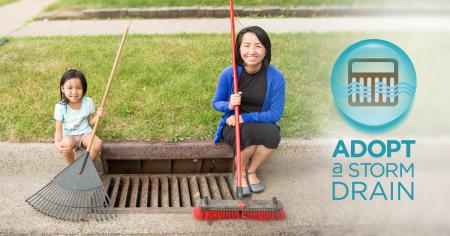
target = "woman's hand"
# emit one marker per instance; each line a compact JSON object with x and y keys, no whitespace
{"x":230,"y":120}
{"x":235,"y":100}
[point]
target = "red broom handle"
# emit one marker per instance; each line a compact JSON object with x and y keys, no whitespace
{"x":236,"y":108}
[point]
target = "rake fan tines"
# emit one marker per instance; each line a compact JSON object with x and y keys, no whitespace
{"x":74,"y":196}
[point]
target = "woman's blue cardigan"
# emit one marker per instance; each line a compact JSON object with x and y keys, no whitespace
{"x":273,"y":103}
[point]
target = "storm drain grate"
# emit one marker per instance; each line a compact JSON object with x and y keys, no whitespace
{"x":171,"y":193}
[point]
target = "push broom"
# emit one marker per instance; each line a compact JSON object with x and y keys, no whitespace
{"x":213,"y":209}
{"x":77,"y":192}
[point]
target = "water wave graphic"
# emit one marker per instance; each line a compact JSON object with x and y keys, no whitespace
{"x":380,"y":88}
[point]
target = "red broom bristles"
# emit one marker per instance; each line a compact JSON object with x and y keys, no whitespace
{"x":201,"y":214}
{"x":264,"y":215}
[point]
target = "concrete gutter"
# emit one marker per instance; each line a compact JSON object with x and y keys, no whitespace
{"x":299,"y":174}
{"x":269,"y":11}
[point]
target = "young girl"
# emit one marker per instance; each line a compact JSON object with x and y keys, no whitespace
{"x":74,"y":115}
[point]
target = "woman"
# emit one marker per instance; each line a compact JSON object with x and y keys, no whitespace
{"x":260,"y":100}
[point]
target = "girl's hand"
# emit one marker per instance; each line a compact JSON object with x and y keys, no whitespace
{"x":62,"y":148}
{"x":230,"y":120}
{"x":101,"y":112}
{"x":235,"y":100}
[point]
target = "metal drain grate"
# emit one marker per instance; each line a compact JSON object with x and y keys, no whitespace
{"x":171,"y":193}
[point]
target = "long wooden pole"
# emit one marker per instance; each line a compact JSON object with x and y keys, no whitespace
{"x":105,"y":96}
{"x":108,"y":86}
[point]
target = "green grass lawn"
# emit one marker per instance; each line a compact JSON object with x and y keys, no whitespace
{"x":84,"y":4}
{"x":165,"y":83}
{"x":4,"y":2}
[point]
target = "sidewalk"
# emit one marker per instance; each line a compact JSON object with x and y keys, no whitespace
{"x":391,"y":9}
{"x":170,"y":26}
{"x":14,"y":23}
{"x":15,"y":15}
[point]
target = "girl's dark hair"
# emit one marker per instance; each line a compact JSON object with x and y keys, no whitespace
{"x":68,"y":75}
{"x":263,"y":38}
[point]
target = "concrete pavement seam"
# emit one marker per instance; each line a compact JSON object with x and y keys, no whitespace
{"x":82,"y":228}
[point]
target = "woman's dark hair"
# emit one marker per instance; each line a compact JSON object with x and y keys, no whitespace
{"x":262,"y":37}
{"x":68,"y":75}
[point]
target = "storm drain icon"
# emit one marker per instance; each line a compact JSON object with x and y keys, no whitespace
{"x":373,"y":82}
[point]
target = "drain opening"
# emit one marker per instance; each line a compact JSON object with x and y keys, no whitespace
{"x":147,"y":193}
{"x":138,"y":195}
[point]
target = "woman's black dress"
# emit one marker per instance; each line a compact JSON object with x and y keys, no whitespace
{"x":253,"y":88}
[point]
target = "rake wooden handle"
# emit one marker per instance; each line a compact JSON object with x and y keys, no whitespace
{"x":108,"y":86}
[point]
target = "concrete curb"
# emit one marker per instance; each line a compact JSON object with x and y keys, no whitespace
{"x":30,"y":158}
{"x":269,"y":11}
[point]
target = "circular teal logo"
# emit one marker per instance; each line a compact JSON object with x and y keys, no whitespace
{"x":373,"y":84}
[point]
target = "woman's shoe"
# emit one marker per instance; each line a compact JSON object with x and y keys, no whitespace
{"x":245,"y":190}
{"x":256,"y":188}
